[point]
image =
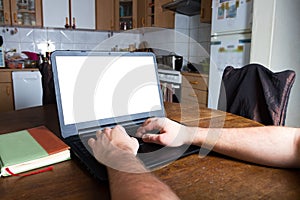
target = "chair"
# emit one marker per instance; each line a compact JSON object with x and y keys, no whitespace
{"x":47,"y":83}
{"x":257,"y":93}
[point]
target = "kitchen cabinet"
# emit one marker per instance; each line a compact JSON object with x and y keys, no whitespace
{"x":205,"y":11}
{"x":194,"y":88}
{"x":6,"y":92}
{"x":69,"y":14}
{"x":105,"y":17}
{"x":129,"y":14}
{"x":116,"y":15}
{"x":21,"y":12}
{"x":126,"y":14}
{"x":153,"y":15}
{"x":6,"y":88}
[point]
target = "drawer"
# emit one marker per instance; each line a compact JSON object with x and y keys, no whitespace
{"x":193,"y":95}
{"x":5,"y":77}
{"x":196,"y":82}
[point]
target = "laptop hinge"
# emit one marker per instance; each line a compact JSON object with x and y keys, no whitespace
{"x":93,"y":129}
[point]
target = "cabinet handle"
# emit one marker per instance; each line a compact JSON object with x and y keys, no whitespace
{"x":194,"y":82}
{"x":67,"y":23}
{"x":6,"y":16}
{"x":74,"y":24}
{"x":8,"y":90}
{"x":202,"y":13}
{"x":143,"y":21}
{"x":15,"y":18}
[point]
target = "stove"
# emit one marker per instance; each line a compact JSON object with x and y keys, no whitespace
{"x":170,"y":84}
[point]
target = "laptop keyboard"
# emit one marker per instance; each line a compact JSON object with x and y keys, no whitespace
{"x":82,"y":142}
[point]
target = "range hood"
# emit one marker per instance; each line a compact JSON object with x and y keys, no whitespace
{"x":185,"y":7}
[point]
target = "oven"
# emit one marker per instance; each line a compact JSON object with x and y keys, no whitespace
{"x":170,"y":81}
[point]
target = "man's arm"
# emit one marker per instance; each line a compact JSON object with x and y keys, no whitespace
{"x":267,"y":145}
{"x":128,"y":178}
{"x":139,"y":185}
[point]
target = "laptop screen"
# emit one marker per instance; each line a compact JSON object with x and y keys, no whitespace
{"x":105,"y":87}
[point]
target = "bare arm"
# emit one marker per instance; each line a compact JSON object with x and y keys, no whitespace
{"x":139,"y":185}
{"x":128,"y":177}
{"x":268,"y":145}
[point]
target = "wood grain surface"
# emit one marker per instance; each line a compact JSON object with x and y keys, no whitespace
{"x":211,"y":177}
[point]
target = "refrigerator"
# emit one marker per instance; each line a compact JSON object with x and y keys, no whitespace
{"x":230,"y":41}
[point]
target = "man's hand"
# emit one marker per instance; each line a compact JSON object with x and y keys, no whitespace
{"x":111,"y":144}
{"x":171,"y":133}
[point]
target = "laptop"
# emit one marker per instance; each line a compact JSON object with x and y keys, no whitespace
{"x":96,"y":89}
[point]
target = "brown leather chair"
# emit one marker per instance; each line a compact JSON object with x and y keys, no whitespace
{"x":257,"y":93}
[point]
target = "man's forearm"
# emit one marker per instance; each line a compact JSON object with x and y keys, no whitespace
{"x":134,"y":181}
{"x":268,"y":145}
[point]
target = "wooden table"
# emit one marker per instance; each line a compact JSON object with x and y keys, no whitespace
{"x":212,"y":177}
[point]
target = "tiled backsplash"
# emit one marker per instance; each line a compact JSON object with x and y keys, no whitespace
{"x":197,"y":48}
{"x":191,"y":39}
{"x":41,"y":40}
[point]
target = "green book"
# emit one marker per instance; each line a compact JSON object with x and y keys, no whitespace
{"x":30,"y":149}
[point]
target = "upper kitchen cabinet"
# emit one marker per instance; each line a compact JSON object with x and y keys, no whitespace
{"x":163,"y":18}
{"x":21,"y":12}
{"x":105,"y":17}
{"x":153,"y":15}
{"x":126,"y":14}
{"x":120,"y":15}
{"x":205,"y":11}
{"x":69,"y":14}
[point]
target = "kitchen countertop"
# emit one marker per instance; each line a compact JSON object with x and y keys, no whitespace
{"x":4,"y":69}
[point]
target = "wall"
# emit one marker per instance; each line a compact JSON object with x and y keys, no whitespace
{"x":189,"y":39}
{"x":41,"y":40}
{"x":276,"y":42}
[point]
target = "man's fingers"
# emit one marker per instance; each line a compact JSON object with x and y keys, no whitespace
{"x":153,"y":138}
{"x":91,"y":142}
{"x":149,"y":125}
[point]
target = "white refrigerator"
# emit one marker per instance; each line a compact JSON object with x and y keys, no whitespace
{"x":230,"y":41}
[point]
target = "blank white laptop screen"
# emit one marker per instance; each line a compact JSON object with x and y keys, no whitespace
{"x":99,"y":87}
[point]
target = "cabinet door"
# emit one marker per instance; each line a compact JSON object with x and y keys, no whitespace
{"x":163,"y":18}
{"x":5,"y":12}
{"x":55,"y":13}
{"x":145,"y":13}
{"x":26,"y":13}
{"x":125,"y":14}
{"x":83,"y":11}
{"x":6,"y":97}
{"x":21,"y":12}
{"x":105,"y":15}
{"x":205,"y":12}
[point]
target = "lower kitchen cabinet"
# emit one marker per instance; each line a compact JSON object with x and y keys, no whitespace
{"x":194,"y":88}
{"x":6,"y":92}
{"x":6,"y":89}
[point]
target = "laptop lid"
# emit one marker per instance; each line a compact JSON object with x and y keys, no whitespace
{"x":98,"y":89}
